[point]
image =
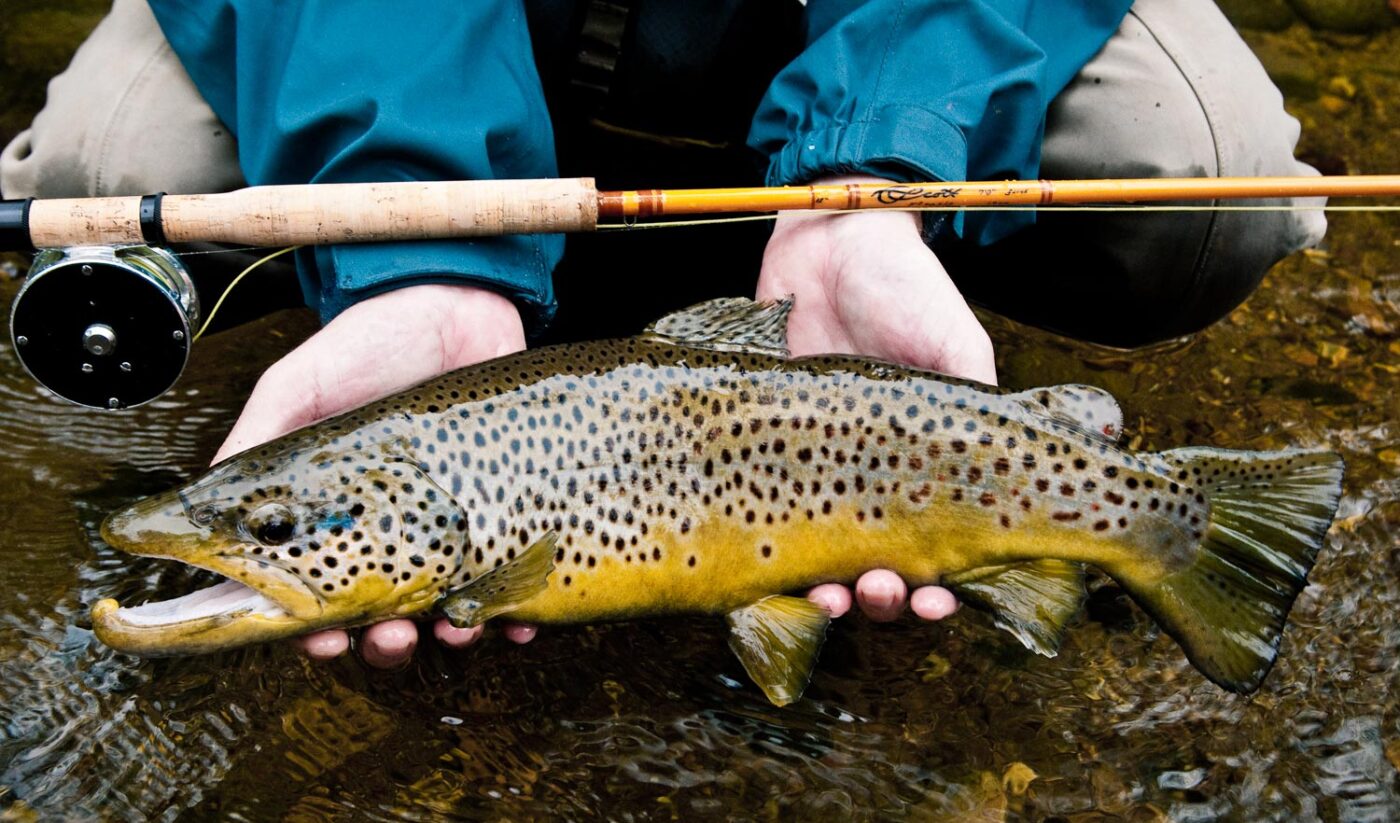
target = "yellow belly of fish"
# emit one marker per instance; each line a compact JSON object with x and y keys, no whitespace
{"x":719,"y":565}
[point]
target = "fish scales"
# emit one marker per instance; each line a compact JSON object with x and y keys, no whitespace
{"x":680,"y":484}
{"x":697,"y":469}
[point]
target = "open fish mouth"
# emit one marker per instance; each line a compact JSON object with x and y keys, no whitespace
{"x":257,"y":601}
{"x":220,"y":616}
{"x":229,"y":599}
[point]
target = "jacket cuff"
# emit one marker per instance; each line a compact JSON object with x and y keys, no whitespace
{"x":880,"y":146}
{"x":333,"y":278}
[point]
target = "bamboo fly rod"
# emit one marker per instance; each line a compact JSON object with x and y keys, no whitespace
{"x":370,"y":212}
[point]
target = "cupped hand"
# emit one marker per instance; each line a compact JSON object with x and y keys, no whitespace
{"x":374,"y":348}
{"x":865,"y":283}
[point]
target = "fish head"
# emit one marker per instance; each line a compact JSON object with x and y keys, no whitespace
{"x":305,"y":541}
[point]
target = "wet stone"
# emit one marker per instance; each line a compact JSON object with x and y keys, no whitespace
{"x":1350,"y":16}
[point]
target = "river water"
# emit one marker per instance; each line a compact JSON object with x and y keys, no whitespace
{"x":655,"y":720}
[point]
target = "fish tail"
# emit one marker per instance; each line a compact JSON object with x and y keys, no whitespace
{"x":1269,"y":513}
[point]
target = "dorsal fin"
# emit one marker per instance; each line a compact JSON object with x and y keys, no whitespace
{"x":1087,"y":408}
{"x":729,"y":324}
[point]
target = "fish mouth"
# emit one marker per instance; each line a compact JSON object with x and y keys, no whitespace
{"x":196,"y":612}
{"x":229,"y":599}
{"x":258,"y":601}
{"x":217,"y":617}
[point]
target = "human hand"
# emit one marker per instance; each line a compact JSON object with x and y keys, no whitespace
{"x":865,"y":283}
{"x":374,"y":348}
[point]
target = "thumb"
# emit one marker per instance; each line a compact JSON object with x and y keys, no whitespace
{"x":287,"y":397}
{"x":376,"y":347}
{"x":923,"y":321}
{"x":964,"y":350}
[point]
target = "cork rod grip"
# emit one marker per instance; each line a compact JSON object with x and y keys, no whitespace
{"x":328,"y":213}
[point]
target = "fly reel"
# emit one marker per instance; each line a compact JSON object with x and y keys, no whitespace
{"x":107,"y":327}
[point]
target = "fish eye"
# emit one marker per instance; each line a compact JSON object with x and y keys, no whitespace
{"x":272,"y":524}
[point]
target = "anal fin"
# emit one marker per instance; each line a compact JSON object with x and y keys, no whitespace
{"x":1032,"y":601}
{"x":778,"y":639}
{"x":504,"y":588}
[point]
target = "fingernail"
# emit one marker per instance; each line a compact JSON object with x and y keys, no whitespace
{"x":453,"y":637}
{"x":390,"y":646}
{"x":324,"y":646}
{"x":520,"y":634}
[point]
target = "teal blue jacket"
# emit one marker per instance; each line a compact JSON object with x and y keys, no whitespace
{"x":322,"y":91}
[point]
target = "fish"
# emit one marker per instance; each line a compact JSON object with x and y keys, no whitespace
{"x":697,"y":468}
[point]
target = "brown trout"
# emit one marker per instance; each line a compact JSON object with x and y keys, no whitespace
{"x":698,"y":469}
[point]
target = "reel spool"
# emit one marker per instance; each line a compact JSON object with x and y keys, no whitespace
{"x":107,"y":327}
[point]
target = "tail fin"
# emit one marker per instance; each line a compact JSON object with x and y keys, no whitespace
{"x":1269,"y":512}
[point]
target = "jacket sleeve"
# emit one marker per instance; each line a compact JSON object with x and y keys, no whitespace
{"x":928,"y":90}
{"x":337,"y":91}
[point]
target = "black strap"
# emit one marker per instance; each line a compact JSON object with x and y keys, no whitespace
{"x":14,"y":225}
{"x":599,"y":49}
{"x":151,"y":229}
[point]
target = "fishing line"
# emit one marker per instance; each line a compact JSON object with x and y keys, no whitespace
{"x":217,"y":251}
{"x":710,"y":221}
{"x":235,"y":282}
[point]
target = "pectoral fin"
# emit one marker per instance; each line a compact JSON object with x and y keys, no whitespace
{"x":777,"y":639}
{"x":1032,"y":601}
{"x":504,"y":588}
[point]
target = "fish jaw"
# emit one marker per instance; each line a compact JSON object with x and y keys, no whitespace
{"x":260,"y":601}
{"x":222,"y":616}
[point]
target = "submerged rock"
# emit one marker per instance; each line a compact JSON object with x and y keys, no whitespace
{"x":1355,"y":16}
{"x":40,"y":43}
{"x":1291,"y":69}
{"x":1265,"y":15}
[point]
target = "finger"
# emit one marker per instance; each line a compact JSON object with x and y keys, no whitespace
{"x":273,"y":409}
{"x":390,"y":644}
{"x":957,"y":345}
{"x":519,"y":632}
{"x":455,"y":638}
{"x":933,"y":602}
{"x":326,"y":645}
{"x":881,"y":595}
{"x":970,"y":355}
{"x":833,"y":597}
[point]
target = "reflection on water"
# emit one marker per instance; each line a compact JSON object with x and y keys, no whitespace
{"x":656,"y":721}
